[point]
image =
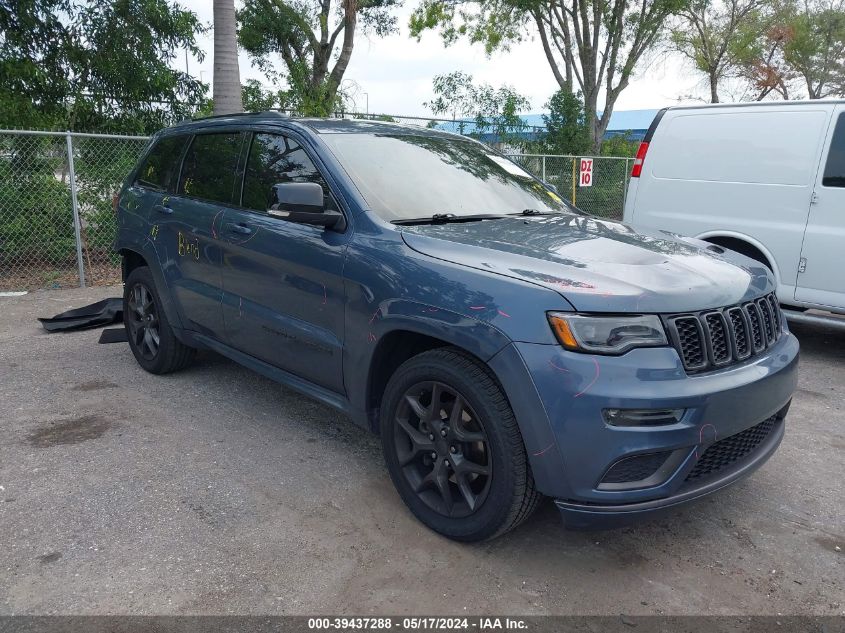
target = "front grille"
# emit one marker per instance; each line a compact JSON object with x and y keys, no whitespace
{"x":718,"y":338}
{"x":727,"y":451}
{"x":634,"y":468}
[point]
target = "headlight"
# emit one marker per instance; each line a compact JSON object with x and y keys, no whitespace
{"x":607,"y":334}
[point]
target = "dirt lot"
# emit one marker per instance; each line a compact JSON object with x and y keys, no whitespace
{"x":218,"y":491}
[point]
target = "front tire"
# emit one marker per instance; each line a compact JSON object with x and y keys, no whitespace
{"x":453,"y":447}
{"x":151,"y":338}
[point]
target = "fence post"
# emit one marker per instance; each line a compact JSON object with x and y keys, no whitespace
{"x":625,"y":179}
{"x":574,"y":178}
{"x":77,"y":227}
{"x":544,"y":168}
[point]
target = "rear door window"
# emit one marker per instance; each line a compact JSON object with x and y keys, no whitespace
{"x":834,"y":169}
{"x":276,"y":159}
{"x":209,"y":171}
{"x":161,"y":166}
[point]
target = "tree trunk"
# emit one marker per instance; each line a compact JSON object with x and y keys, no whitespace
{"x":227,"y":79}
{"x":350,"y":13}
{"x":714,"y":88}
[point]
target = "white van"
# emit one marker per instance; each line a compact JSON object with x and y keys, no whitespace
{"x":764,"y":179}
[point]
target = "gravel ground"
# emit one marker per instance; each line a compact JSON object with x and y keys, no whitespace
{"x":216,"y":490}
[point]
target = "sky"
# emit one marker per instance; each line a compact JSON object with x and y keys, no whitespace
{"x":393,"y":75}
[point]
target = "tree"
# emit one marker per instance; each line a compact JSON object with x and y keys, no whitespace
{"x":709,"y":33}
{"x":816,"y":50}
{"x":256,"y":99}
{"x":314,"y":39}
{"x":454,"y":94}
{"x":566,"y":129}
{"x":592,"y":44}
{"x":89,"y":64}
{"x":493,"y":111}
{"x":759,"y":53}
{"x":227,"y":78}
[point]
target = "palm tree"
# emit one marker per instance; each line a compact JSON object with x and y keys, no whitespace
{"x":227,"y":79}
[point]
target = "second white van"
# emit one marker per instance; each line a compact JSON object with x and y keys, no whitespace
{"x":764,"y":179}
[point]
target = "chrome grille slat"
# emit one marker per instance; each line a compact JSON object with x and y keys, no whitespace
{"x":718,"y":338}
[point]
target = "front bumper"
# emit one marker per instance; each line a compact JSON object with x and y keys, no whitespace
{"x":580,"y":516}
{"x":558,"y":398}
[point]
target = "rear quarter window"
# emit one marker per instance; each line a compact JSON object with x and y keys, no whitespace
{"x":160,"y":168}
{"x":768,"y":147}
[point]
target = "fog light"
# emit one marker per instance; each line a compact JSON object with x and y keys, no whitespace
{"x":642,"y":417}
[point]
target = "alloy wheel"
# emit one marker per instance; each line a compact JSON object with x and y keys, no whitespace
{"x":442,"y":449}
{"x":143,"y":321}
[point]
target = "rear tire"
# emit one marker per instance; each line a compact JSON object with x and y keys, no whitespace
{"x":151,"y":338}
{"x":462,"y":472}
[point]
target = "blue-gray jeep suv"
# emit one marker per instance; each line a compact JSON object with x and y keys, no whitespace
{"x":502,"y":343}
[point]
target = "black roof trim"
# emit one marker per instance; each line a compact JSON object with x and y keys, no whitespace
{"x":654,"y":123}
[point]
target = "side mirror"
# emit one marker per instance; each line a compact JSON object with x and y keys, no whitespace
{"x":550,"y":187}
{"x":302,"y":203}
{"x":306,"y":197}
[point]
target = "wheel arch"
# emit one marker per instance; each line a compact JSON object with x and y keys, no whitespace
{"x":394,"y":348}
{"x":132,"y":258}
{"x":744,"y":244}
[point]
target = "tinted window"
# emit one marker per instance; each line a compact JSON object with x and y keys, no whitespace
{"x":403,"y":176}
{"x":209,"y":168}
{"x":834,"y":169}
{"x":161,"y":167}
{"x":275,"y":159}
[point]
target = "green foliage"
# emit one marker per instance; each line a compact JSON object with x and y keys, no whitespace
{"x":774,"y":49}
{"x":492,"y":110}
{"x":256,"y":98}
{"x":314,"y":40}
{"x":620,"y":145}
{"x":453,"y":94}
{"x":566,"y":129}
{"x":92,"y":64}
{"x":712,"y":35}
{"x":37,"y":220}
{"x":816,"y":49}
{"x":595,"y":45}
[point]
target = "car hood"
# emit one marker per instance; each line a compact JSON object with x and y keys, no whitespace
{"x":598,"y":265}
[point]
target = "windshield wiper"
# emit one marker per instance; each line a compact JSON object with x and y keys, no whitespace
{"x":446,"y":218}
{"x":535,"y":212}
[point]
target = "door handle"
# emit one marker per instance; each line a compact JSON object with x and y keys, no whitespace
{"x":163,"y":209}
{"x":243,"y":229}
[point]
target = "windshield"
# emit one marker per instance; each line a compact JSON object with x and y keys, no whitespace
{"x":404,"y":177}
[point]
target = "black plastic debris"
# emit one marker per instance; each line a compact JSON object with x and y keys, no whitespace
{"x":98,"y":314}
{"x":114,"y":335}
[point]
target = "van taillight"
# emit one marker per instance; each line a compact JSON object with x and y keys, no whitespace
{"x":638,"y":161}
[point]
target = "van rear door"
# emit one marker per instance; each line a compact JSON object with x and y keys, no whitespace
{"x":820,"y":278}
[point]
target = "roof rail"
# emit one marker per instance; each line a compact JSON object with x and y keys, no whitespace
{"x":223,"y":116}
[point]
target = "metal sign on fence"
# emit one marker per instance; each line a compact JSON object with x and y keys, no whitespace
{"x":585,"y":172}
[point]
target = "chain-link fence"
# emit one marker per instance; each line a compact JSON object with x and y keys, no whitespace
{"x":601,"y":192}
{"x":57,"y":223}
{"x":56,"y":219}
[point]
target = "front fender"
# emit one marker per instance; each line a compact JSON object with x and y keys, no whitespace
{"x":390,"y":288}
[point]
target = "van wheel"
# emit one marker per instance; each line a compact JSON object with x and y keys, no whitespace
{"x":453,"y":447}
{"x":151,"y":338}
